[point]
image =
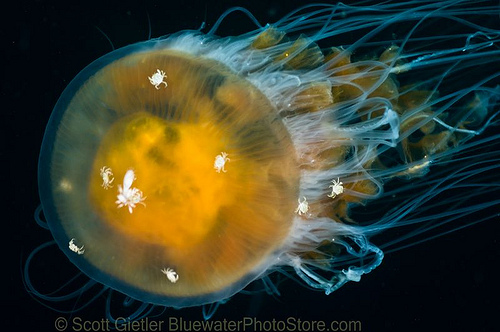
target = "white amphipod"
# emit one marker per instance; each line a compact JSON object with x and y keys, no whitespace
{"x":337,"y":188}
{"x":107,"y":177}
{"x":73,"y":247}
{"x":158,"y":78}
{"x":220,"y":162}
{"x":129,"y":196}
{"x":303,"y":207}
{"x":172,"y":276}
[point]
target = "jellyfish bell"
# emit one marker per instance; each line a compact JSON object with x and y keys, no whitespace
{"x":211,"y":226}
{"x":180,"y":169}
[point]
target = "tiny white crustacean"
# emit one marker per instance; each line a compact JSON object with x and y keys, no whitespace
{"x":107,"y":177}
{"x":158,"y":78}
{"x":303,"y":207}
{"x":337,"y":188}
{"x":220,"y":162}
{"x":73,"y":247}
{"x":172,"y":276}
{"x":128,"y":196}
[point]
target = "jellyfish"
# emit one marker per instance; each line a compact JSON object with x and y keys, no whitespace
{"x":181,"y":169}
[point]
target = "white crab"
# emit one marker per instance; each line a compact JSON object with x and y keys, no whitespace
{"x":337,"y":188}
{"x":220,"y":162}
{"x":129,"y":196}
{"x":107,"y":177}
{"x":73,"y":247}
{"x":172,"y":276}
{"x":158,"y":78}
{"x":303,"y":207}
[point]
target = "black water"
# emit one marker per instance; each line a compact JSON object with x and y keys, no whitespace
{"x":447,"y":284}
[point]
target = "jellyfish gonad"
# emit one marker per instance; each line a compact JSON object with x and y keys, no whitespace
{"x":180,"y":169}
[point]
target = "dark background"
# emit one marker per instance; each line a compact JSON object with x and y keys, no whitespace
{"x":447,"y":284}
